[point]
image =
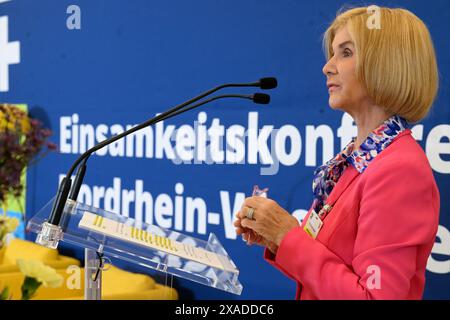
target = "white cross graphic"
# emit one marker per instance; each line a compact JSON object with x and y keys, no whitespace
{"x":9,"y":54}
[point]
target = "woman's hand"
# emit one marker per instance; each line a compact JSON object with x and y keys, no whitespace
{"x":270,"y":221}
{"x":252,"y":238}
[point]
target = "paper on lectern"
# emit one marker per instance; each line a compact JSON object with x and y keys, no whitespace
{"x":109,"y":227}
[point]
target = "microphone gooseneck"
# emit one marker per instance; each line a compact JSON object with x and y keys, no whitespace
{"x":268,"y":83}
{"x":50,"y":230}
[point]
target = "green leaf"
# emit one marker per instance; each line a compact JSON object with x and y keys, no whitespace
{"x":4,"y":295}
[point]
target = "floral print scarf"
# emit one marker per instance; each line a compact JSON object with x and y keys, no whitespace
{"x":326,"y":176}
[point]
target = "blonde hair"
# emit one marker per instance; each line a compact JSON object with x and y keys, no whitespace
{"x":396,"y":63}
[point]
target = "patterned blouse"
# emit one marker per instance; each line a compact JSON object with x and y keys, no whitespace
{"x":326,"y":176}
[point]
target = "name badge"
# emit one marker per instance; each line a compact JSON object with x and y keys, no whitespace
{"x":313,"y":225}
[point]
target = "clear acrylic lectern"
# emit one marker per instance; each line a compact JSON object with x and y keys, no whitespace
{"x":102,"y":233}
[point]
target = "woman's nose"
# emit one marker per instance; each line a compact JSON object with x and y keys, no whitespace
{"x":329,"y":68}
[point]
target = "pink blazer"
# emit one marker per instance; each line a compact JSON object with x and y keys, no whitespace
{"x":375,"y":242}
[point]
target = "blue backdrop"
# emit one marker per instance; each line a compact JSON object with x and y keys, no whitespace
{"x":122,"y":62}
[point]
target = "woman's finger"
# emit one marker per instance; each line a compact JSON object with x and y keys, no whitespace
{"x":253,"y":237}
{"x":244,"y":211}
{"x":254,"y":202}
{"x":241,"y":213}
{"x":240,"y":231}
{"x":249,"y":237}
{"x":247,"y":223}
{"x":238,"y":224}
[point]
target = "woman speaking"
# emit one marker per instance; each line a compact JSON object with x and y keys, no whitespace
{"x":375,"y":214}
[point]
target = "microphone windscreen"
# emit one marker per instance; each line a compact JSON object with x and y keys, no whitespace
{"x":268,"y":83}
{"x":261,"y":98}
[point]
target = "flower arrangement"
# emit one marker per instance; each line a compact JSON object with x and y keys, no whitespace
{"x":21,"y":141}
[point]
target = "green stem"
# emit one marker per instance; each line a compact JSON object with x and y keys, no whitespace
{"x":29,"y":287}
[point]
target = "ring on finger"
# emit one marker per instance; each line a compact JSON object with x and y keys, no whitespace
{"x":250,"y":213}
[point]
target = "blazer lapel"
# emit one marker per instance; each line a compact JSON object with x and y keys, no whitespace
{"x":349,"y":175}
{"x":345,"y":180}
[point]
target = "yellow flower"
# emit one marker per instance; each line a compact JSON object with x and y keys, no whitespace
{"x":2,"y":121}
{"x":17,"y":119}
{"x":11,"y":224}
{"x":25,"y":124}
{"x":42,"y":273}
{"x":8,"y":224}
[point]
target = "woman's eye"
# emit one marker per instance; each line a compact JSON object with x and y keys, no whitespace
{"x":347,"y":53}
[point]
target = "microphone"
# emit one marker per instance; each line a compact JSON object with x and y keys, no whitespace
{"x":51,"y":232}
{"x":268,"y":83}
{"x":261,"y":98}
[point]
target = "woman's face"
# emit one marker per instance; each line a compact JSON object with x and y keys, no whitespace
{"x":346,"y":92}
